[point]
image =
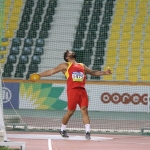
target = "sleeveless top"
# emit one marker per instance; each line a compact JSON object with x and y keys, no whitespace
{"x":75,"y":75}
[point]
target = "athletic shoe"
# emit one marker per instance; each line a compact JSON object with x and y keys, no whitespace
{"x":87,"y":136}
{"x":63,"y":134}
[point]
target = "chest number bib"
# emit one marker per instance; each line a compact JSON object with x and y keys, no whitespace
{"x":77,"y":76}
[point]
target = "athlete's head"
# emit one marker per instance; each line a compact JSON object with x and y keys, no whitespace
{"x":69,"y":55}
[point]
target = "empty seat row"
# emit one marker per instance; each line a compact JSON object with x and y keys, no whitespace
{"x":28,"y":42}
{"x":26,"y":51}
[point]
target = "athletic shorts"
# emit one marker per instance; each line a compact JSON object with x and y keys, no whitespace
{"x":77,"y":96}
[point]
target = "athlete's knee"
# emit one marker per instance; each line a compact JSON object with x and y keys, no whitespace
{"x":70,"y":112}
{"x":84,"y":110}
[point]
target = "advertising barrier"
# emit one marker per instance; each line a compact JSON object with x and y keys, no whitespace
{"x":53,"y":97}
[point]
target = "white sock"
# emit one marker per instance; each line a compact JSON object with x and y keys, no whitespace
{"x":63,"y":127}
{"x":87,"y":128}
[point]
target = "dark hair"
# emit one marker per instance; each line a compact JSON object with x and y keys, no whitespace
{"x":65,"y":55}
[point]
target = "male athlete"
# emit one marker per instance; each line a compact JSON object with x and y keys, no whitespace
{"x":76,"y":93}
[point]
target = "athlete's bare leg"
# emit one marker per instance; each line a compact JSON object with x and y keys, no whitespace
{"x":67,"y":116}
{"x":85,"y":116}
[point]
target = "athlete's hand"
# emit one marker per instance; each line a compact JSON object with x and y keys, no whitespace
{"x":107,"y":72}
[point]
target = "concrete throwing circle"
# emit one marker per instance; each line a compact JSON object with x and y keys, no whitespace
{"x":55,"y":137}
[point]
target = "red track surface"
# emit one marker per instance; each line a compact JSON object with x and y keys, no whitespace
{"x":119,"y":142}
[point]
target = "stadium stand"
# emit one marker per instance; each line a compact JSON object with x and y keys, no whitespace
{"x":103,"y":33}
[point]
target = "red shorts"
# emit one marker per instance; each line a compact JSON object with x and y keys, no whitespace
{"x":77,"y":96}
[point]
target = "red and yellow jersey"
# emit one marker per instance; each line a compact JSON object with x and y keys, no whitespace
{"x":75,"y":75}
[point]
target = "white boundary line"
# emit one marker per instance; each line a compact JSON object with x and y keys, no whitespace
{"x":49,"y":144}
{"x":55,"y":137}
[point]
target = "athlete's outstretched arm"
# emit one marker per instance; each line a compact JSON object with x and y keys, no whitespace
{"x":96,"y":72}
{"x":59,"y":68}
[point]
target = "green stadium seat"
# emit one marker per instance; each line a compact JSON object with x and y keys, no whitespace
{"x":16,"y":42}
{"x":100,"y":52}
{"x":28,"y":10}
{"x":79,"y":35}
{"x":85,"y":12}
{"x":29,"y":3}
{"x":23,"y":59}
{"x":41,"y":3}
{"x":79,"y":54}
{"x":18,"y":75}
{"x":87,"y":4}
{"x":97,"y":12}
{"x":14,"y":50}
{"x":26,"y":51}
{"x":52,"y":3}
{"x":34,"y":26}
{"x":106,"y":20}
{"x":8,"y":68}
{"x":77,"y":44}
{"x":91,"y":35}
{"x":21,"y":34}
{"x":89,"y":44}
{"x":50,"y":11}
{"x":28,"y":75}
{"x":38,"y":51}
{"x":104,"y":28}
{"x":81,"y":27}
{"x":20,"y":68}
{"x":88,"y":52}
{"x":11,"y":59}
{"x":108,"y":5}
{"x":98,"y":4}
{"x":36,"y":59}
{"x":48,"y":19}
{"x":45,"y":26}
{"x":93,"y":27}
{"x":23,"y":25}
{"x":40,"y":43}
{"x":98,"y":61}
{"x":95,"y":19}
{"x":83,"y":19}
{"x":25,"y":18}
{"x":28,"y":42}
{"x":37,"y":18}
{"x":4,"y":39}
{"x":86,"y":60}
{"x":38,"y":10}
{"x":43,"y":34}
{"x":33,"y":68}
{"x":32,"y":34}
{"x":6,"y":74}
{"x":2,"y":48}
{"x":96,"y":67}
{"x":95,"y":77}
{"x":101,"y":44}
{"x":103,"y":36}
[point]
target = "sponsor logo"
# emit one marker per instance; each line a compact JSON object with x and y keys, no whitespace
{"x":124,"y":98}
{"x":6,"y":95}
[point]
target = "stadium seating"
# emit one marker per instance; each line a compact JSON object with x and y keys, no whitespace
{"x":38,"y":51}
{"x":23,"y":59}
{"x":108,"y":33}
{"x":8,"y":68}
{"x":3,"y":50}
{"x":11,"y":59}
{"x":14,"y":50}
{"x":128,"y":28}
{"x":33,"y":34}
{"x":26,"y":51}
{"x":20,"y":68}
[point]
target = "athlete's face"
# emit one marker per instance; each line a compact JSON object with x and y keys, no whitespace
{"x":71,"y":54}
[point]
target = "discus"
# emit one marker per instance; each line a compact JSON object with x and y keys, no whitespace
{"x":34,"y":77}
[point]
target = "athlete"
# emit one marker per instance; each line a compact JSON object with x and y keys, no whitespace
{"x":76,"y":93}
